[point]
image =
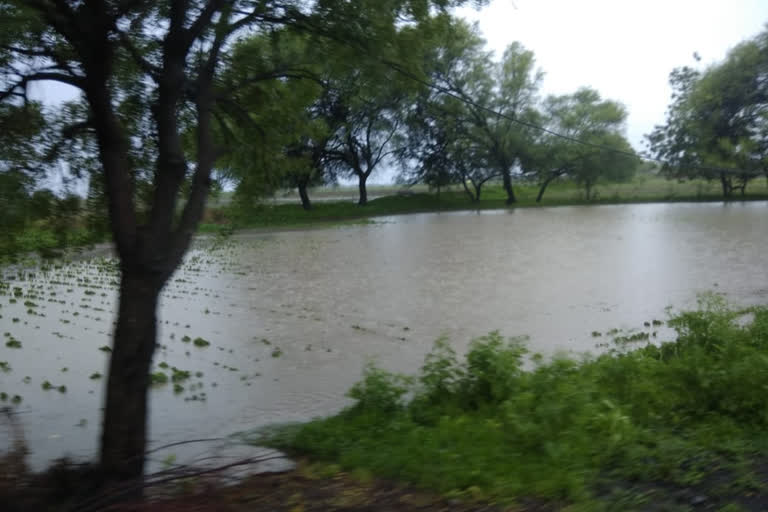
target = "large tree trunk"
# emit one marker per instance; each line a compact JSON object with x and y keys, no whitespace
{"x":304,"y":195}
{"x":125,"y":416}
{"x":511,"y":199}
{"x":362,"y":178}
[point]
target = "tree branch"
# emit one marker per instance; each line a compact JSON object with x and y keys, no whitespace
{"x":144,"y":64}
{"x":203,"y":20}
{"x":40,"y":77}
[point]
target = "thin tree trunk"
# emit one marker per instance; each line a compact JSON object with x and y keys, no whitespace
{"x":588,"y":188}
{"x":726,"y":184}
{"x":125,"y":416}
{"x":511,"y":199}
{"x":304,"y":195}
{"x":363,"y":191}
{"x":478,"y":189}
{"x":543,"y":188}
{"x":466,"y":189}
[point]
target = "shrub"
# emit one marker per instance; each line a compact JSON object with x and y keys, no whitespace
{"x":562,"y":428}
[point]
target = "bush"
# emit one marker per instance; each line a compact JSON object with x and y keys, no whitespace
{"x":487,"y":426}
{"x":379,"y":391}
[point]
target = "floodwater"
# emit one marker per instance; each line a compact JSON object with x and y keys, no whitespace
{"x":292,"y":317}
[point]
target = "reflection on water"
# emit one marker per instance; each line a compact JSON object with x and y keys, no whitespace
{"x":292,"y":317}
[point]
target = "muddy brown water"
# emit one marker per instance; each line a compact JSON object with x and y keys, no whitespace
{"x":292,"y":317}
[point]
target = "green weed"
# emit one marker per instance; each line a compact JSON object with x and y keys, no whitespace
{"x":490,"y":427}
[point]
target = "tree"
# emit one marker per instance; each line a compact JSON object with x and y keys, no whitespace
{"x":588,"y":129}
{"x":149,"y":74}
{"x":499,"y":98}
{"x":716,"y":123}
{"x":365,"y":139}
{"x":21,"y":135}
{"x":284,"y":153}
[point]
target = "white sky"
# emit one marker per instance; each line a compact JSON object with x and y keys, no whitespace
{"x":623,"y":48}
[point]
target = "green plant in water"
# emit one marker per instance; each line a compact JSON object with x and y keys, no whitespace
{"x":179,"y":375}
{"x":200,"y":342}
{"x":156,"y":378}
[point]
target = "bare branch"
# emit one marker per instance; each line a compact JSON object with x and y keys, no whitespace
{"x":201,"y":23}
{"x":25,"y":51}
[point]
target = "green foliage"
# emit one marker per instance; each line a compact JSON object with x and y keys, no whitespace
{"x":716,"y":125}
{"x":441,"y":373}
{"x":379,"y":391}
{"x":457,"y":137}
{"x":562,"y":429}
{"x":583,"y":116}
{"x":156,"y":378}
{"x":200,"y":342}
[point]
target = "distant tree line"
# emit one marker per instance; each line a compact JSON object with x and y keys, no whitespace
{"x":446,"y":113}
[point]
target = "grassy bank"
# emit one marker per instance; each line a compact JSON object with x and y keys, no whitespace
{"x":642,"y":427}
{"x":338,"y":206}
{"x":343,"y":208}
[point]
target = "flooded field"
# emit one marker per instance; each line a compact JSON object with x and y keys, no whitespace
{"x":275,"y":327}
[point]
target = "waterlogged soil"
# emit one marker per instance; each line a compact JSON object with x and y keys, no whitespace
{"x":294,"y":492}
{"x":275,"y":327}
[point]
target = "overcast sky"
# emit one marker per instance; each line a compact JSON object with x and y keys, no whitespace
{"x":623,"y":48}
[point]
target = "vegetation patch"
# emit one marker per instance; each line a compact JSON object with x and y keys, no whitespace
{"x":632,"y":424}
{"x":200,"y":342}
{"x":157,"y":378}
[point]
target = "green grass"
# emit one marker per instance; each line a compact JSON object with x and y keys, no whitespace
{"x":45,"y":241}
{"x":630,"y":425}
{"x":223,"y":216}
{"x":329,"y":213}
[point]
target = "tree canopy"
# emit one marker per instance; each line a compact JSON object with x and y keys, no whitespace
{"x":716,"y":123}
